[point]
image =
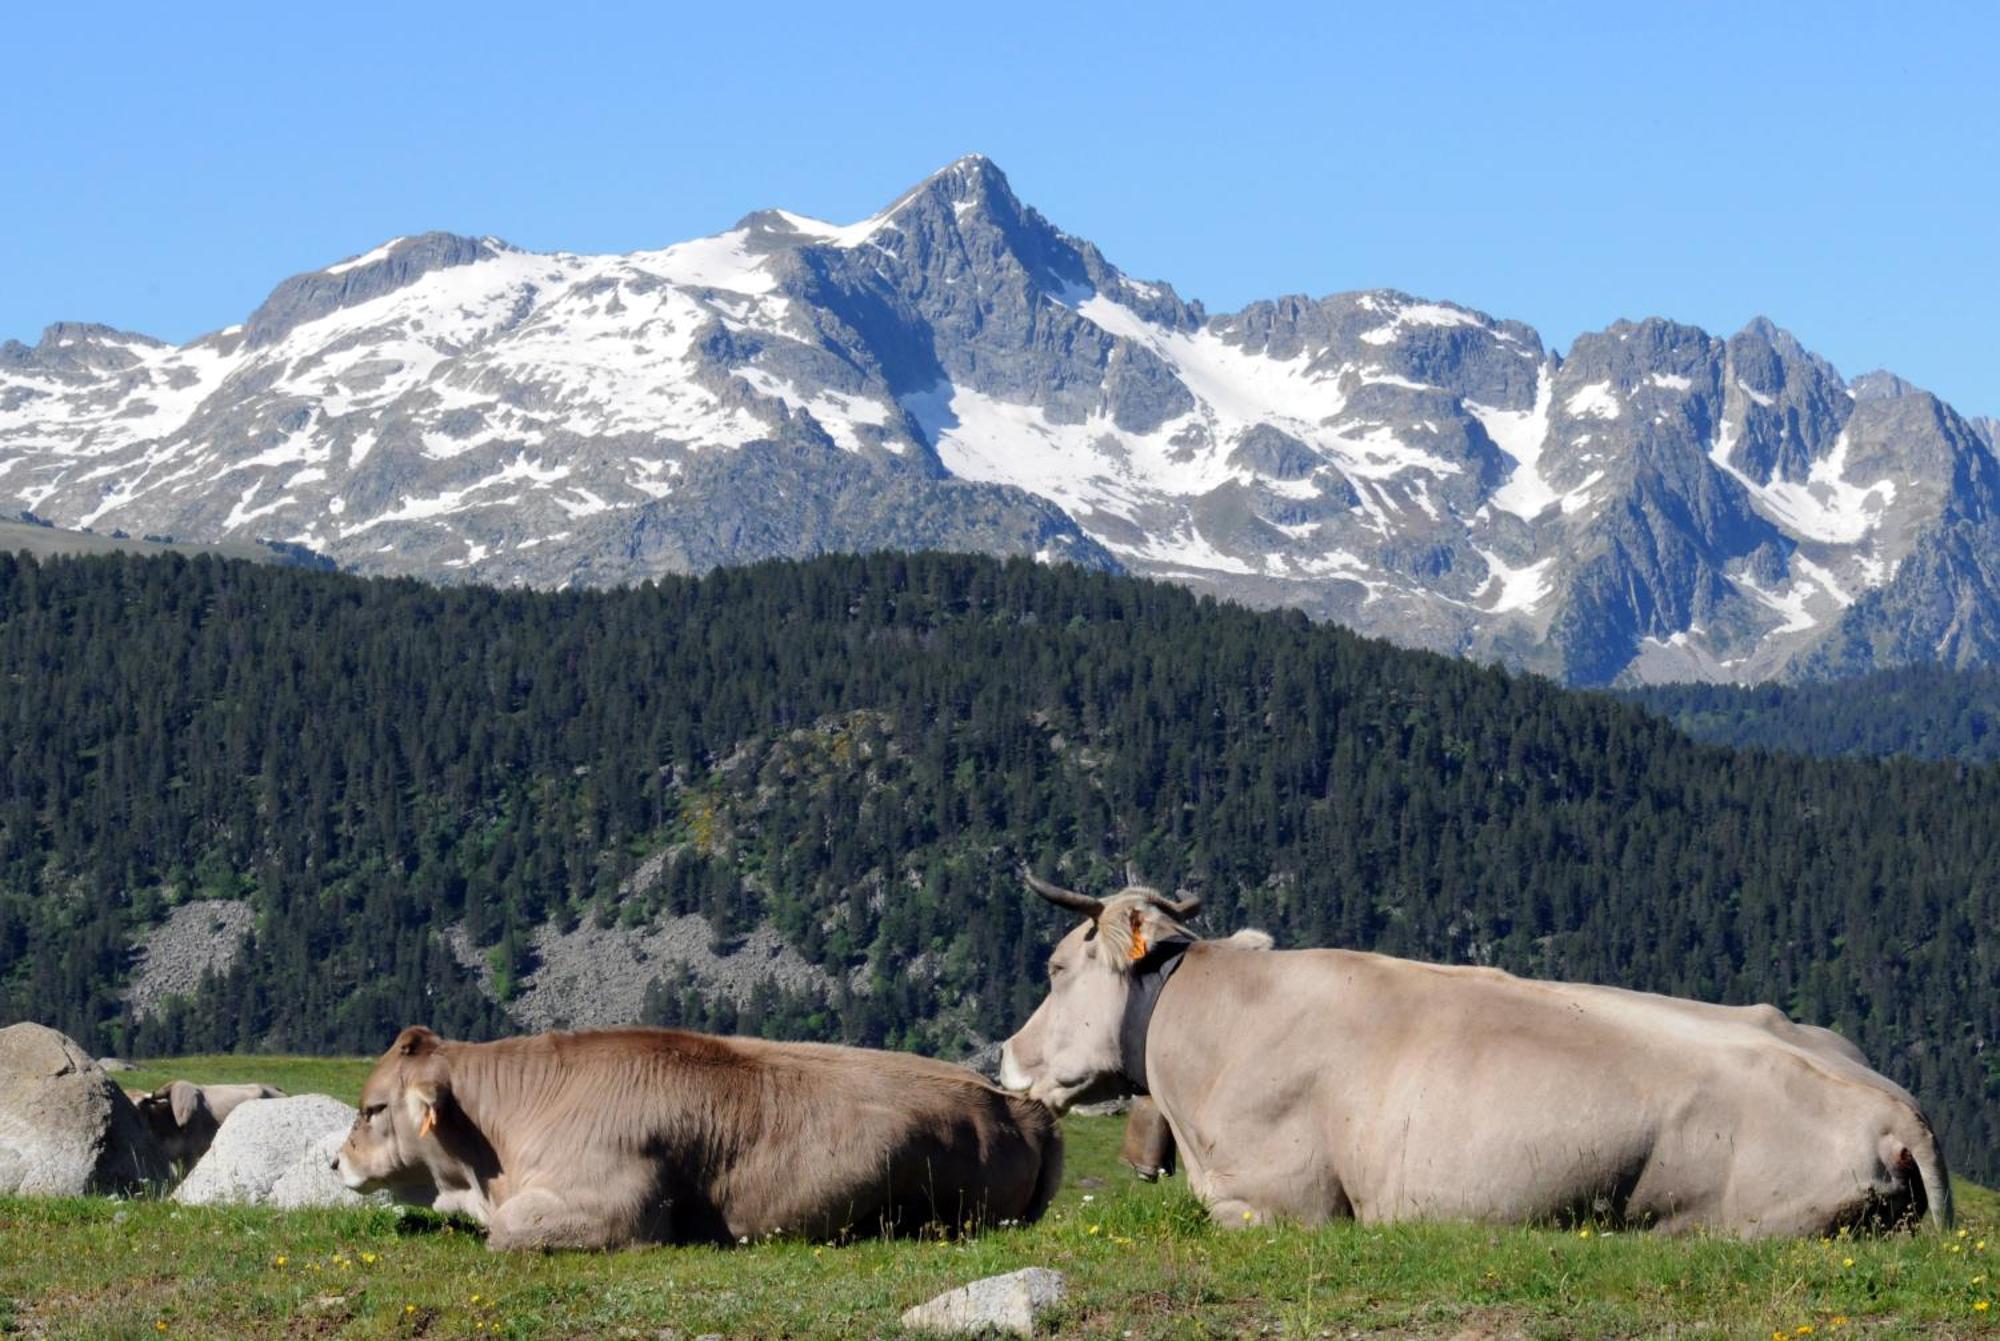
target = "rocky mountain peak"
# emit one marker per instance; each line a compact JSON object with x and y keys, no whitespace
{"x":395,"y":264}
{"x":956,"y":371}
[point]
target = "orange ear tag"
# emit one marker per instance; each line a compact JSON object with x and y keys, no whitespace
{"x":1138,"y":950}
{"x":429,"y":1124}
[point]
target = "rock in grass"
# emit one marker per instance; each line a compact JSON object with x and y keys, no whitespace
{"x":66,"y":1129}
{"x":1009,"y":1303}
{"x":261,"y":1151}
{"x":311,"y":1181}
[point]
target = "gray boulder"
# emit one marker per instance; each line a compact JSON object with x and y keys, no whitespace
{"x":1009,"y":1303}
{"x":265,"y":1144}
{"x":66,"y":1129}
{"x":311,"y":1181}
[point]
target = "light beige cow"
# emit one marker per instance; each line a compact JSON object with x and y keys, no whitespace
{"x":185,"y":1116}
{"x":608,"y":1137}
{"x":1313,"y":1084}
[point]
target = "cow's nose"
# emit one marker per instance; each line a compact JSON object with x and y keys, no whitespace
{"x":1012,"y":1075}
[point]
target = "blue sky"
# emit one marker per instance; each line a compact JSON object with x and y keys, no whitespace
{"x":1836,"y":167}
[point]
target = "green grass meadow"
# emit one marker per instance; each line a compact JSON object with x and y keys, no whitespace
{"x":1142,"y":1261}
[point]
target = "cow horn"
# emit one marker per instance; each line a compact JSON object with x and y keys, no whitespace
{"x":1132,"y":873}
{"x":1063,"y":898}
{"x":1182,"y":909}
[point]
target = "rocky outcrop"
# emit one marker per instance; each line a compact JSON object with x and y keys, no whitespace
{"x":195,"y":939}
{"x":594,"y":977}
{"x":66,"y":1129}
{"x":265,"y":1151}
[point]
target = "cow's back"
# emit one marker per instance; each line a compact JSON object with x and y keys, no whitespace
{"x":897,"y":1141}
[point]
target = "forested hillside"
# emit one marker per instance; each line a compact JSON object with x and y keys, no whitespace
{"x":862,"y":752}
{"x":1928,"y":712}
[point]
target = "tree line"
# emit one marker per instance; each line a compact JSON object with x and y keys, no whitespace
{"x":862,"y":751}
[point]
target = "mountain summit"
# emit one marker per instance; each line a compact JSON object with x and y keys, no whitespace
{"x":957,"y":372}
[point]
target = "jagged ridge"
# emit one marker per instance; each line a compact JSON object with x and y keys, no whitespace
{"x":957,"y":372}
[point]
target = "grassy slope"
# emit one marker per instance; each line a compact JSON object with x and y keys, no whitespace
{"x":1142,"y":1261}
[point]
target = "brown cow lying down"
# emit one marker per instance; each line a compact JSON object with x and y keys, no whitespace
{"x":1313,"y":1084}
{"x":609,"y":1137}
{"x":185,"y":1116}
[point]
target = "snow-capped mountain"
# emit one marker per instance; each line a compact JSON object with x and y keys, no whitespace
{"x":956,"y":372}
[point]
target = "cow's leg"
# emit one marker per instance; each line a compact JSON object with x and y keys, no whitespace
{"x":536,"y":1217}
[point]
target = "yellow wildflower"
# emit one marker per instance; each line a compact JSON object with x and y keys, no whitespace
{"x":1847,"y":1261}
{"x":1583,"y":1233}
{"x":1803,"y":1329}
{"x":1840,"y":1320}
{"x":279,"y":1260}
{"x":409,"y":1308}
{"x":369,"y":1258}
{"x":1094,"y":1229}
{"x":1980,"y":1307}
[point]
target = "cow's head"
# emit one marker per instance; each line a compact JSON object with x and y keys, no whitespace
{"x":175,"y":1106}
{"x":394,"y":1143}
{"x":180,"y":1119}
{"x":1070,"y":1047}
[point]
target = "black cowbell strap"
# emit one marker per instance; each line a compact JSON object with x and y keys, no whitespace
{"x":1149,"y":977}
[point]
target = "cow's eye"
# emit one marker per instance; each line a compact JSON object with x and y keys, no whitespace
{"x":371,"y":1110}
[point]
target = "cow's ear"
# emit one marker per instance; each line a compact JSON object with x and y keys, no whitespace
{"x":1131,"y":933}
{"x":422,"y":1099}
{"x":187,"y":1099}
{"x":415,"y":1041}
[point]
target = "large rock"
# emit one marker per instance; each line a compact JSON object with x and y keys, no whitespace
{"x":311,"y":1181}
{"x":1009,"y":1303}
{"x":66,"y":1129}
{"x":262,"y":1151}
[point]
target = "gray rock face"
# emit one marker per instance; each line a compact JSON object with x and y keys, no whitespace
{"x":1010,"y":1304}
{"x":268,"y":1143}
{"x":195,"y":939}
{"x":594,"y":977}
{"x":66,"y":1129}
{"x":957,"y":372}
{"x":305,"y":298}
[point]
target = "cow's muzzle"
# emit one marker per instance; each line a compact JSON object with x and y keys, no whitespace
{"x":1012,"y":1075}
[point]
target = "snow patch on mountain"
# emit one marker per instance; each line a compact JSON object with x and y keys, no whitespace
{"x":1521,"y":434}
{"x":1825,"y":506}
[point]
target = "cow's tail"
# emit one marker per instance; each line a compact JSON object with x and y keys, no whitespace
{"x":1044,"y":1132}
{"x":1922,"y":1157}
